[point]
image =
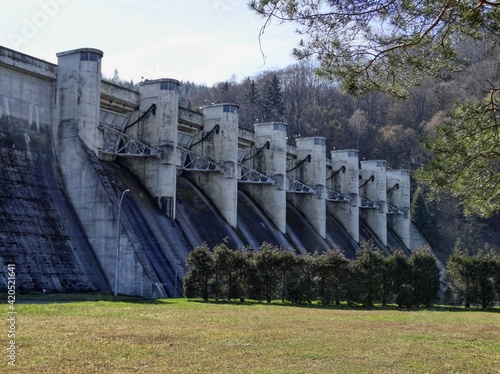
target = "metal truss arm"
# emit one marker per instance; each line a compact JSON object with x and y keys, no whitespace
{"x":195,"y":162}
{"x":337,"y":196}
{"x":249,"y":175}
{"x":120,"y":144}
{"x":368,"y":204}
{"x":296,"y":186}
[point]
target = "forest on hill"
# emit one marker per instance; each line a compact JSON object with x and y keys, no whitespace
{"x":378,"y":125}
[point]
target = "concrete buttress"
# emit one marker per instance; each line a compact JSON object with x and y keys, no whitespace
{"x":77,"y":140}
{"x":272,"y":162}
{"x":344,"y":179}
{"x":159,"y":131}
{"x":312,"y":173}
{"x":221,"y":147}
{"x":373,"y":195}
{"x":398,"y":196}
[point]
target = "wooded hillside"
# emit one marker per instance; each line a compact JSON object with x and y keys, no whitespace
{"x":379,"y":126}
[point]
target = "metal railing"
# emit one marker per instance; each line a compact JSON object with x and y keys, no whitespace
{"x":368,"y":204}
{"x":119,"y":144}
{"x":337,"y":196}
{"x":296,"y":186}
{"x":195,"y":162}
{"x":249,"y":175}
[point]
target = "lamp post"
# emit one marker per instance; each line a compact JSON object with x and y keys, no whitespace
{"x":177,"y":263}
{"x":118,"y":242}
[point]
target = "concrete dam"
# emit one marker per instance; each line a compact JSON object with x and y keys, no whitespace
{"x":108,"y":189}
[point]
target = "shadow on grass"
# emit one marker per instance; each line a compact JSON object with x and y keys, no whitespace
{"x":85,"y":297}
{"x":47,"y":298}
{"x":345,"y":306}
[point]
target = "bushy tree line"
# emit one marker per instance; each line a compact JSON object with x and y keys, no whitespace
{"x":273,"y":273}
{"x":474,"y":279}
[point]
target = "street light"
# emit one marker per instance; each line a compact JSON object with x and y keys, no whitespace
{"x":177,"y":263}
{"x":118,"y":242}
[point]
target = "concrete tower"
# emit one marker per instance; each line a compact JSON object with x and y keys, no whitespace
{"x":398,"y":198}
{"x":373,"y":196}
{"x":271,"y":162}
{"x":159,"y":131}
{"x":78,"y":96}
{"x":222,"y":148}
{"x":345,"y":180}
{"x":312,"y":173}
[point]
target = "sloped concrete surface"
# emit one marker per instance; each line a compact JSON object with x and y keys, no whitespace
{"x":39,"y":231}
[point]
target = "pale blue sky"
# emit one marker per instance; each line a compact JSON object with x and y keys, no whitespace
{"x":203,"y":41}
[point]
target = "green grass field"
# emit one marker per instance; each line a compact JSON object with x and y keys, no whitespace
{"x":181,"y":336}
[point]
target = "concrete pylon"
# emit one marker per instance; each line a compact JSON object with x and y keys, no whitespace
{"x":312,"y":173}
{"x":158,"y":130}
{"x":222,"y":148}
{"x":78,"y":88}
{"x":398,"y":195}
{"x":373,"y":186}
{"x":345,"y":179}
{"x":272,"y":162}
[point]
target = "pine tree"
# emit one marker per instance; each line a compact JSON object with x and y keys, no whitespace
{"x":200,"y":273}
{"x":273,"y":106}
{"x":425,"y":276}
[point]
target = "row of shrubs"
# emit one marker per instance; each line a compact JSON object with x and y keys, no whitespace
{"x":273,"y":273}
{"x":474,"y":279}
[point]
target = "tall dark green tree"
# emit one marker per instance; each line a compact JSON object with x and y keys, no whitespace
{"x":423,"y":213}
{"x":460,"y":272}
{"x":496,"y":276}
{"x":485,"y":271}
{"x":300,"y":282}
{"x":286,"y":263}
{"x":224,"y":272}
{"x":366,"y":275}
{"x":473,"y":278}
{"x":272,"y":100}
{"x":251,"y":108}
{"x":425,"y":277}
{"x":400,"y":275}
{"x":245,"y":275}
{"x":200,"y":273}
{"x":268,"y":262}
{"x":332,"y":272}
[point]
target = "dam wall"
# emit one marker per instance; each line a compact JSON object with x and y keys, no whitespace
{"x":40,"y":232}
{"x":135,"y":182}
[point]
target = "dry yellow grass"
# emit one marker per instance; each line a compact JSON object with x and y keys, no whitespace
{"x":193,"y":337}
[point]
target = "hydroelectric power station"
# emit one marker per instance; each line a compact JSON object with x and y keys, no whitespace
{"x":99,"y":180}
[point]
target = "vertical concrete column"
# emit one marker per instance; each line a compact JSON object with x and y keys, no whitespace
{"x":272,"y":162}
{"x":221,"y":147}
{"x":158,"y":130}
{"x":312,"y":173}
{"x":78,"y":96}
{"x":398,"y":195}
{"x":345,"y":166}
{"x":373,"y":186}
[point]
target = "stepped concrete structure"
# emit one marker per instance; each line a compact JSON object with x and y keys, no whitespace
{"x":92,"y":121}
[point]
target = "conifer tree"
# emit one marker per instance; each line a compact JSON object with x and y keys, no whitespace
{"x":272,"y":102}
{"x":200,"y":273}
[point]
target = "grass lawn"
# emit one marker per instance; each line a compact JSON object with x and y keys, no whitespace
{"x":181,"y":336}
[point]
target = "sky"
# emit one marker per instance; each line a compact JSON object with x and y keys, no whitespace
{"x":202,"y":41}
